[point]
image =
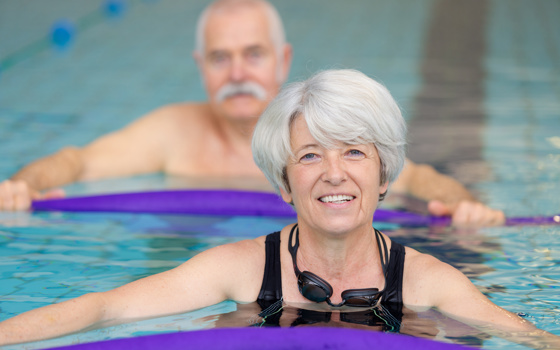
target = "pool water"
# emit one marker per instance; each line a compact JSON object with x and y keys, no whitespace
{"x":51,"y":257}
{"x":482,"y":97}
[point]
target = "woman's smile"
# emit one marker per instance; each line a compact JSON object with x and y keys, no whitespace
{"x":336,"y":199}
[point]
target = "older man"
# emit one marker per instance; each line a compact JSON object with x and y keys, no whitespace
{"x":243,"y":59}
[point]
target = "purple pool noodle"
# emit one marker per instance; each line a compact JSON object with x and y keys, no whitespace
{"x":204,"y":202}
{"x":308,"y":338}
{"x":230,"y":202}
{"x":554,"y":220}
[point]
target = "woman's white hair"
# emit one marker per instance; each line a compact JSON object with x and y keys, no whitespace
{"x":338,"y":106}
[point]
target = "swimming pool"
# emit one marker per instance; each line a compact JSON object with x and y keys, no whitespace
{"x":120,"y":65}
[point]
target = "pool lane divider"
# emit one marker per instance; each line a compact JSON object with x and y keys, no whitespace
{"x":64,"y":31}
{"x":220,"y":202}
{"x":308,"y":338}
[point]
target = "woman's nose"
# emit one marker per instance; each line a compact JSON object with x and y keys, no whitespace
{"x":334,"y":171}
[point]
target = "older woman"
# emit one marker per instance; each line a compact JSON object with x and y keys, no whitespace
{"x":331,"y":146}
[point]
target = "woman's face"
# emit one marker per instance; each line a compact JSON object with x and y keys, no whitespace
{"x":333,"y":190}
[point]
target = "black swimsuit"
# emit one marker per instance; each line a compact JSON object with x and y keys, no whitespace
{"x":270,"y":294}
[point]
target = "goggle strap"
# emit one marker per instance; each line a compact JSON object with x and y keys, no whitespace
{"x":383,"y":255}
{"x":336,"y":305}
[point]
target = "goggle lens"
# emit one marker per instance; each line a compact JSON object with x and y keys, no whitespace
{"x":313,"y":292}
{"x":361,"y":297}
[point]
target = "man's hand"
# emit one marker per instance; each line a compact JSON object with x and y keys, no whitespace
{"x":467,"y":213}
{"x":17,"y":195}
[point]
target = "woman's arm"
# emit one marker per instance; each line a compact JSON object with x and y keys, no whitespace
{"x":430,"y":282}
{"x":53,"y":320}
{"x":232,"y":271}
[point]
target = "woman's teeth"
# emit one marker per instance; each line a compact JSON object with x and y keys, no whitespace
{"x":340,"y":198}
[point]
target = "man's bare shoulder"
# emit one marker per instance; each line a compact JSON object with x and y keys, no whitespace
{"x":173,"y":127}
{"x":185,"y":112}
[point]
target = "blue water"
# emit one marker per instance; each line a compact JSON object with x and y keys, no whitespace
{"x":118,"y":67}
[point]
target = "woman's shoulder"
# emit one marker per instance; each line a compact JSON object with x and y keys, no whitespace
{"x":235,"y":269}
{"x":424,"y":276}
{"x":243,"y":250}
{"x":421,"y":266}
{"x":420,"y":262}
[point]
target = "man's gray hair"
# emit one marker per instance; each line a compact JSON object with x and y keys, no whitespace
{"x":277,"y":32}
{"x":338,"y":106}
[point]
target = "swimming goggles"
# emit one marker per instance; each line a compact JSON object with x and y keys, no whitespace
{"x":316,"y":289}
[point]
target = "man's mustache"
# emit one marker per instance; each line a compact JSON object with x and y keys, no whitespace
{"x":245,"y":88}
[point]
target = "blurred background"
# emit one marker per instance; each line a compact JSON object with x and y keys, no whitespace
{"x":478,"y":80}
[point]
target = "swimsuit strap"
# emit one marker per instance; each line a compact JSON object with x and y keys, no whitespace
{"x":393,"y":267}
{"x":394,"y":277}
{"x":382,"y":256}
{"x":270,"y":295}
{"x":271,"y":289}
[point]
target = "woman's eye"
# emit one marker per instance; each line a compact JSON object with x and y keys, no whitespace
{"x":308,"y":157}
{"x":355,"y":153}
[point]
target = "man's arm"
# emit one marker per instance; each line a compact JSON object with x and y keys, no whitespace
{"x":60,"y":168}
{"x":445,"y":196}
{"x":57,"y":169}
{"x":136,"y":149}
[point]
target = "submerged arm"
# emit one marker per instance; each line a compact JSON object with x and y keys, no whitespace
{"x":53,"y":320}
{"x":225,"y":272}
{"x":450,"y":291}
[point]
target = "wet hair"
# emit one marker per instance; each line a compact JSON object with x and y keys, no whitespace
{"x":338,"y":106}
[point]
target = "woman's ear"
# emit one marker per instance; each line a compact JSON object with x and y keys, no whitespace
{"x":287,"y":197}
{"x":383,"y":188}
